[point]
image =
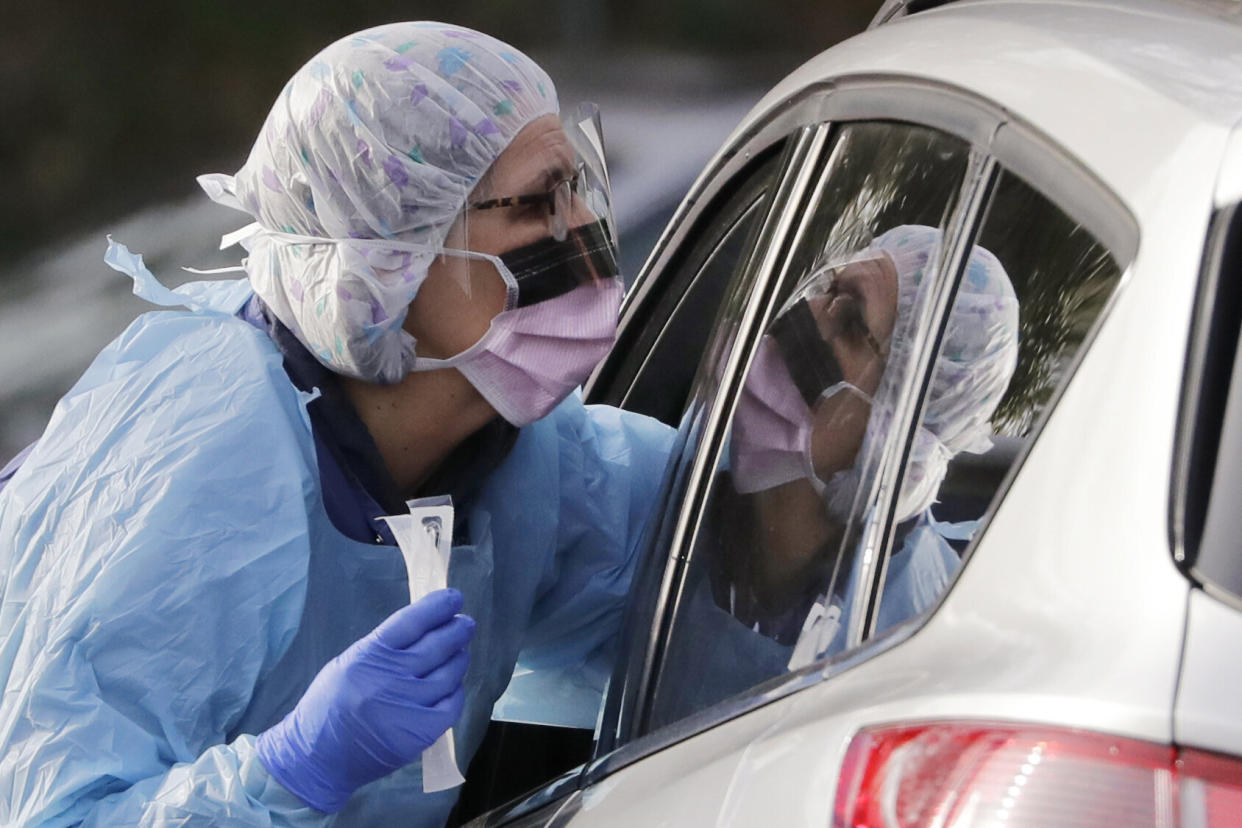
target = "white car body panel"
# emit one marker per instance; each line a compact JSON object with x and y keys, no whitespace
{"x":1081,"y":92}
{"x":1207,"y":704}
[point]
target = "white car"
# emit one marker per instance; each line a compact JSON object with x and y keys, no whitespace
{"x":793,"y":656}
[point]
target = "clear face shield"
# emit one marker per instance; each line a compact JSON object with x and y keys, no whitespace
{"x":542,"y":229}
{"x":563,"y":219}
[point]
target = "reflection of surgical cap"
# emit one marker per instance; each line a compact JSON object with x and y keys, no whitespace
{"x":972,"y":370}
{"x":381,"y":136}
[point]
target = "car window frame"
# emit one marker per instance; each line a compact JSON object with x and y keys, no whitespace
{"x":976,"y":188}
{"x":1022,"y":150}
{"x":1051,"y":172}
{"x":861,"y":98}
{"x":767,"y":252}
{"x":1205,"y":453}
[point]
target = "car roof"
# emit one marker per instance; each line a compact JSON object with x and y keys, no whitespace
{"x":1126,"y":86}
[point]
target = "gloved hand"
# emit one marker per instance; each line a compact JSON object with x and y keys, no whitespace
{"x":376,"y":706}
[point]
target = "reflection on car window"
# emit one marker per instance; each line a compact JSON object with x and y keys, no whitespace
{"x":656,"y":370}
{"x":1032,"y":287}
{"x":773,"y":566}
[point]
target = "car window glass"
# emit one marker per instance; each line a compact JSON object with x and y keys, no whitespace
{"x":772,"y":565}
{"x":656,"y":366}
{"x":1031,"y":288}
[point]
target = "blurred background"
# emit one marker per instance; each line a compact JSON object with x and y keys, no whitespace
{"x":110,"y":110}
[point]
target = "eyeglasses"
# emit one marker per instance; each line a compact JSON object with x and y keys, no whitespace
{"x":555,"y":204}
{"x":566,"y":186}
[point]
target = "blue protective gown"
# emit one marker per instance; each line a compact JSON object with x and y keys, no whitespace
{"x":170,"y":582}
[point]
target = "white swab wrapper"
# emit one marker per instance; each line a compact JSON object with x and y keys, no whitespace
{"x":425,"y":537}
{"x":818,"y":630}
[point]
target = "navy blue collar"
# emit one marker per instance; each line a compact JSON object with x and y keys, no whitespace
{"x":357,"y":487}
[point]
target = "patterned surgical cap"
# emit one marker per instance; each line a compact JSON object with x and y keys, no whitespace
{"x":972,"y":370}
{"x":381,"y":136}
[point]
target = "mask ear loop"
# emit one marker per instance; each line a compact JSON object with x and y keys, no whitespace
{"x":465,"y":243}
{"x":464,"y":280}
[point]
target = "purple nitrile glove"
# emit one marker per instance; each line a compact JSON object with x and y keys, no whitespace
{"x":376,"y":707}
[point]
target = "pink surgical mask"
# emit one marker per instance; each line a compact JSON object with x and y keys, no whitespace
{"x":559,"y":321}
{"x":771,"y":442}
{"x":773,"y":425}
{"x":534,"y":357}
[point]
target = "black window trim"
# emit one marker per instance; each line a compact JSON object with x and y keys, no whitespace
{"x":642,"y":612}
{"x":614,"y":373}
{"x":805,"y":156}
{"x":1215,"y":321}
{"x":1208,"y":397}
{"x":553,"y":798}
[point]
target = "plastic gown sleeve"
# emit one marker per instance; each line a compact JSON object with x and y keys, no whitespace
{"x":611,"y":466}
{"x":149,"y":579}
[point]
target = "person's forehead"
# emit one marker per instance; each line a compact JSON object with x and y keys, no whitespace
{"x":878,"y":266}
{"x":539,"y":155}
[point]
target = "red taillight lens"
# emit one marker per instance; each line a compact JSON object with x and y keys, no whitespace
{"x":952,"y":775}
{"x":1211,"y":789}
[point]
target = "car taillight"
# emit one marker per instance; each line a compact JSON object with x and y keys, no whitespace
{"x":952,"y":775}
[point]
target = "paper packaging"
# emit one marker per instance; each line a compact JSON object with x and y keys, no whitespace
{"x":425,"y":537}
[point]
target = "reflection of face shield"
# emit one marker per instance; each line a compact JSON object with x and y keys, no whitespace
{"x":801,"y":414}
{"x":824,"y":323}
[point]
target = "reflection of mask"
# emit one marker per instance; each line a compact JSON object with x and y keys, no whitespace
{"x":812,"y":366}
{"x":771,"y":441}
{"x":560,"y":322}
{"x":785,"y":396}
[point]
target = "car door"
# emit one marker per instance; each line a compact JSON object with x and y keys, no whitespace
{"x":710,"y":697}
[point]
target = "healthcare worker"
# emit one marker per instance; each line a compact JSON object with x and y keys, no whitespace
{"x":205,"y":607}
